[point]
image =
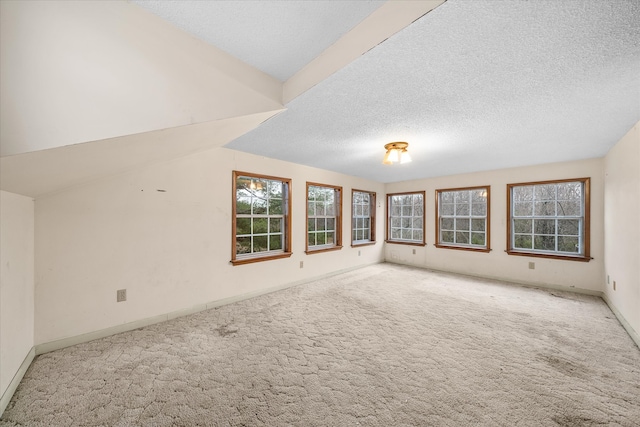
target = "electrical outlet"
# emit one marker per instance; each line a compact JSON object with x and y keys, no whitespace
{"x":301,"y":264}
{"x":532,"y":266}
{"x":614,"y":285}
{"x":358,"y":253}
{"x":608,"y":279}
{"x":414,"y":251}
{"x":121,"y":295}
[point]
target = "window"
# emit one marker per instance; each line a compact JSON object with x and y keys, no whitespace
{"x":549,"y":219}
{"x":463,"y":218}
{"x":363,"y":218}
{"x":324,"y":219}
{"x":261,"y":218}
{"x":405,"y":218}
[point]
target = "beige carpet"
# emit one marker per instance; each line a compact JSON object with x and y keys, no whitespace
{"x":385,"y":345}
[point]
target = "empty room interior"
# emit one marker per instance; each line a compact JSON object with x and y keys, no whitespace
{"x":299,"y":212}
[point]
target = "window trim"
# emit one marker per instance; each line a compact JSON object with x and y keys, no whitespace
{"x":287,"y":221}
{"x":338,"y":239}
{"x":372,"y":218}
{"x":586,"y":231}
{"x":388,"y":218}
{"x":487,"y":247}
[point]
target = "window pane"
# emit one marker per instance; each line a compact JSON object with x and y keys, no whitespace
{"x":417,"y":235}
{"x":243,"y":245}
{"x":545,"y":209}
{"x":311,"y":224}
{"x":365,"y":210}
{"x":446,"y":223}
{"x":447,"y":209}
{"x":243,"y":205}
{"x":570,"y":191}
{"x":523,"y":193}
{"x":275,"y":207}
{"x":478,"y":224}
{"x":395,"y":233}
{"x":462,"y":196}
{"x":544,"y":243}
{"x":275,"y":225}
{"x":320,"y":210}
{"x":259,"y":206}
{"x":321,"y":224}
{"x":359,"y":235}
{"x":446,"y":197}
{"x":396,"y":222}
{"x":259,"y":225}
{"x":462,"y":224}
{"x":406,"y":234}
{"x":275,"y":242}
{"x":462,"y":209}
{"x":479,"y":196}
{"x":477,"y":239}
{"x":311,"y":206}
{"x":569,"y":227}
{"x":311,"y":237}
{"x":406,"y":211}
{"x":260,"y":244}
{"x":544,"y":226}
{"x":545,"y":192}
{"x":331,"y":224}
{"x":523,"y":225}
{"x":462,"y":238}
{"x":417,"y":223}
{"x":568,"y":244}
{"x":358,"y":210}
{"x":522,"y":209}
{"x":522,"y":241}
{"x":330,"y":209}
{"x":243,"y":226}
{"x":479,"y":209}
{"x":569,"y":208}
{"x":275,"y":189}
{"x":447,"y":236}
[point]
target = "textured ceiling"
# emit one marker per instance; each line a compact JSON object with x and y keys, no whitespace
{"x":472,"y":85}
{"x":277,"y":37}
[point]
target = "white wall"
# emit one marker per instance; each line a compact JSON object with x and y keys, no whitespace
{"x":16,"y":284}
{"x":79,"y":71}
{"x":621,"y":207}
{"x":497,"y":264}
{"x":169,"y":249}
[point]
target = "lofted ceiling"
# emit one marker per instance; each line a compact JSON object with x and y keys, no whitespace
{"x":472,"y":85}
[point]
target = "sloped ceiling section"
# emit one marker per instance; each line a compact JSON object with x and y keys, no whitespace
{"x":43,"y":172}
{"x":74,"y":72}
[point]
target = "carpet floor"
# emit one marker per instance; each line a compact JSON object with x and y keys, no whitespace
{"x":385,"y":345}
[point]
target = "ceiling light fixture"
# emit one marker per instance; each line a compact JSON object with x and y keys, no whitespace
{"x":396,"y":152}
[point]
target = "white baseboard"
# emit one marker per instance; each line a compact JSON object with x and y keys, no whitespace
{"x":102,"y":333}
{"x":13,"y":385}
{"x":626,"y":325}
{"x":508,"y":281}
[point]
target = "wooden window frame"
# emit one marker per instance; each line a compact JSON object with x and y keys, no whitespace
{"x":338,"y":220}
{"x":487,"y":247}
{"x":388,"y":217}
{"x":372,"y":218}
{"x":586,"y":222}
{"x":286,"y":250}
